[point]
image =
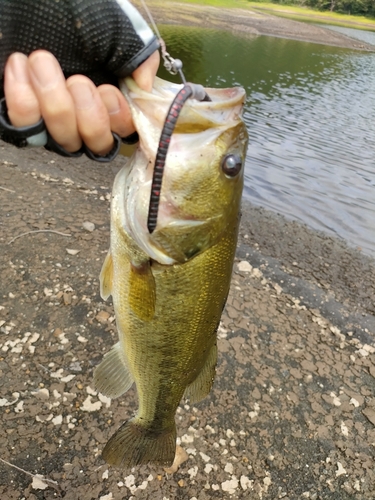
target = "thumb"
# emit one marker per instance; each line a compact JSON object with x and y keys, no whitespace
{"x":144,"y":75}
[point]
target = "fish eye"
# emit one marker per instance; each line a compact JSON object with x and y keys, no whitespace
{"x":231,"y":165}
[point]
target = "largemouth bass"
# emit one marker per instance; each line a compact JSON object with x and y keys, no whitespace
{"x":169,"y":287}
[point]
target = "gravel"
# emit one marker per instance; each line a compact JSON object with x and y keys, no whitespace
{"x":292,"y":411}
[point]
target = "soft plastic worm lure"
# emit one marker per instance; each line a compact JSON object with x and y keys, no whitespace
{"x":192,"y":90}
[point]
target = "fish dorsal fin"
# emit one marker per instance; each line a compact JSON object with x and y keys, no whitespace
{"x":201,"y":386}
{"x":106,"y":277}
{"x":112,"y":377}
{"x":142,"y":291}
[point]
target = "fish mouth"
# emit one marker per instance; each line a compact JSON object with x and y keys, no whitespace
{"x":149,"y":110}
{"x":226,"y":105}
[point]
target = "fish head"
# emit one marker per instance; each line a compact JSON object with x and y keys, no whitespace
{"x":203,"y":173}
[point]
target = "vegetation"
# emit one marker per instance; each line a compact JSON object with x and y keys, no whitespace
{"x":304,"y":10}
{"x":350,"y":7}
{"x":309,"y":14}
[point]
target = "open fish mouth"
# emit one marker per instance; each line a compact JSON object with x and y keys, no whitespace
{"x":149,"y":109}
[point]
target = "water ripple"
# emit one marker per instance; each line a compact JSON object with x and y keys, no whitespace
{"x":311,"y":122}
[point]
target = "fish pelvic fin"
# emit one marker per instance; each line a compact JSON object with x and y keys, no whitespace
{"x":201,"y":386}
{"x":106,"y":277}
{"x":134,"y":444}
{"x":142,"y":291}
{"x":112,"y":377}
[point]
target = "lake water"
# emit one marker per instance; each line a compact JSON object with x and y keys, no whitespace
{"x":310,"y":114}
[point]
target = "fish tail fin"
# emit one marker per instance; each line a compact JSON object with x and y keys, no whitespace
{"x":134,"y":444}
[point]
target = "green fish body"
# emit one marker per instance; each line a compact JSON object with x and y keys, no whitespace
{"x":169,"y":287}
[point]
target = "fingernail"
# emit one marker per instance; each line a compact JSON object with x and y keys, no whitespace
{"x":45,"y":70}
{"x":82,"y":95}
{"x":111,"y":102}
{"x":17,"y":66}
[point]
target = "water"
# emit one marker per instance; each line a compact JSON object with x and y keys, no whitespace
{"x":310,"y":114}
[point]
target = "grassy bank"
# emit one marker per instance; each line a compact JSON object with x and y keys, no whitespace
{"x":294,"y":12}
{"x":310,"y":15}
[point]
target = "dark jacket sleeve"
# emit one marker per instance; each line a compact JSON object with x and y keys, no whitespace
{"x":103,"y":39}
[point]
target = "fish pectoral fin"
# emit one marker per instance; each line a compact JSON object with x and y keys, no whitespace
{"x":106,"y":277}
{"x":112,"y":377}
{"x":134,"y":444}
{"x":201,"y":386}
{"x":142,"y":291}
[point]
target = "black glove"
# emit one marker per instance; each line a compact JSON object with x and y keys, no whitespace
{"x":102,"y":39}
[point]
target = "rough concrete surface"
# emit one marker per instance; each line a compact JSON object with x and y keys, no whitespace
{"x":292,"y":412}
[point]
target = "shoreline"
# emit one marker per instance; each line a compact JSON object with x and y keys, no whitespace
{"x":317,"y":17}
{"x":342,"y":273}
{"x":249,"y":23}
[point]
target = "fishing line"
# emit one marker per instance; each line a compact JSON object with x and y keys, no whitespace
{"x":173,"y":66}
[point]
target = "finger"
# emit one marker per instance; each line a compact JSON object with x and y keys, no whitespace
{"x":22,"y":102}
{"x":92,"y":115}
{"x":56,"y":104}
{"x":144,"y":75}
{"x":118,"y":110}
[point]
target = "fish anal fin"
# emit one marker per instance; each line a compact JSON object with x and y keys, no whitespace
{"x":106,"y":277}
{"x":112,"y":377}
{"x":134,"y":444}
{"x":201,"y":386}
{"x":142,"y":291}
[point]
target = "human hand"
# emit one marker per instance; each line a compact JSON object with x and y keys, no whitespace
{"x":74,"y":110}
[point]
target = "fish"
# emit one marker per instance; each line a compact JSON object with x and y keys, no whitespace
{"x":169,"y":286}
